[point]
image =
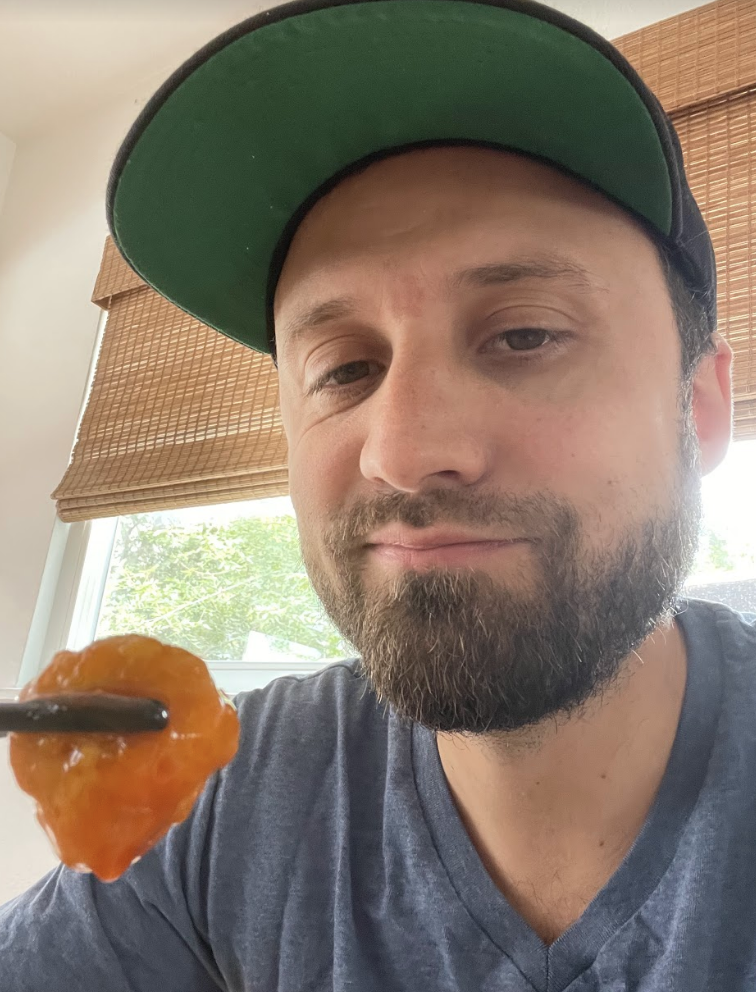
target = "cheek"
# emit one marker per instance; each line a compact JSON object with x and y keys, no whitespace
{"x":613,"y":459}
{"x":323,"y":470}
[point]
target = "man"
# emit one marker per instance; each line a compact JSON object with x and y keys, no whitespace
{"x":465,"y":233}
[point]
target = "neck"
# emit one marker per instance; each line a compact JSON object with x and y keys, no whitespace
{"x":572,"y":795}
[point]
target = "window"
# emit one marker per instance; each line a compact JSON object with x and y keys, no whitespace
{"x":227,"y":582}
{"x":725,"y":569}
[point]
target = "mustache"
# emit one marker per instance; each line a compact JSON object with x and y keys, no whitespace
{"x":537,"y":515}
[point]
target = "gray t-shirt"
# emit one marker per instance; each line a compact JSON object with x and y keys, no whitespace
{"x":329,"y":856}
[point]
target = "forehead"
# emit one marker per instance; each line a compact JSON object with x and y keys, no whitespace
{"x":437,"y":211}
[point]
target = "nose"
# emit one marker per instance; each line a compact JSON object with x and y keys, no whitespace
{"x":426,"y":423}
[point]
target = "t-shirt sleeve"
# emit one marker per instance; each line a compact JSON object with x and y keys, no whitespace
{"x":143,"y":932}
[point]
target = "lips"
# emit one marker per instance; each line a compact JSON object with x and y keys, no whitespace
{"x":459,"y":553}
{"x":431,"y":538}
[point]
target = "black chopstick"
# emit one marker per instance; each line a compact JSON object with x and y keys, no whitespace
{"x":83,"y":712}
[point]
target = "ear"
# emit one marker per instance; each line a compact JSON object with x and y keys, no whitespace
{"x":712,"y":405}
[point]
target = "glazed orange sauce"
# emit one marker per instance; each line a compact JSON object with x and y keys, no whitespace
{"x":106,"y":799}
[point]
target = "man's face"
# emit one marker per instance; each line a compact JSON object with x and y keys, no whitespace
{"x":473,"y":346}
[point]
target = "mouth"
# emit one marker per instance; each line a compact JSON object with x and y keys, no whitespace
{"x":455,"y":553}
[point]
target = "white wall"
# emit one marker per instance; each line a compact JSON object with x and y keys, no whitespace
{"x":51,"y":237}
{"x":52,"y":230}
{"x":7,"y":152}
{"x":24,"y":851}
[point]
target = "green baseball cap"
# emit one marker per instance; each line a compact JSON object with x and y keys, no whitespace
{"x":223,"y":163}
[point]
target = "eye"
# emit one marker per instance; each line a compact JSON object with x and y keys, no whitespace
{"x":525,"y":338}
{"x":342,"y":376}
{"x":351,"y":376}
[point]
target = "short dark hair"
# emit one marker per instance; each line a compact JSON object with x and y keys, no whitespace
{"x":696,"y":334}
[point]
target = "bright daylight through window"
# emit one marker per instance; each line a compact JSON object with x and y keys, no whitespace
{"x":228,"y":583}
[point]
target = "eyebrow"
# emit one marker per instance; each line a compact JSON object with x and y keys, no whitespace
{"x":321,"y":313}
{"x":492,"y":274}
{"x":547,"y":267}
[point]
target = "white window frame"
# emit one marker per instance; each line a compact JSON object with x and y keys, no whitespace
{"x":56,"y":602}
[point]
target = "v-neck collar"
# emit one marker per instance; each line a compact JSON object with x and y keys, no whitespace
{"x":551,"y":968}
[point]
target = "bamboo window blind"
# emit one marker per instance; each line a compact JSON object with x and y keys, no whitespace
{"x":179,"y":415}
{"x":702,"y":66}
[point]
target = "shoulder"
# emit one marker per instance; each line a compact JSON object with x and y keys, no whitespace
{"x":295,"y":727}
{"x":310,"y":748}
{"x":736,"y":630}
{"x":332,"y":680}
{"x":724,"y":639}
{"x":337,"y":695}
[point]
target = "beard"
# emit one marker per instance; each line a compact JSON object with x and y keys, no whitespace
{"x":458,"y":651}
